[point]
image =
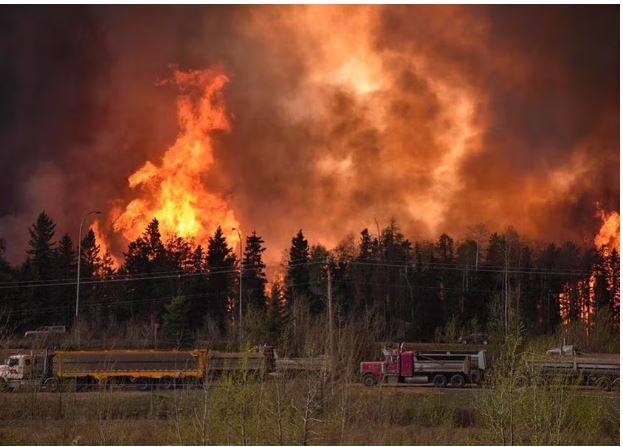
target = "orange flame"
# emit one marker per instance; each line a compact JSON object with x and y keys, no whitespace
{"x":100,"y":240}
{"x":172,"y":190}
{"x":609,"y":234}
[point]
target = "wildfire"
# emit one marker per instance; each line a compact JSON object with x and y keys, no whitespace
{"x":609,"y":235}
{"x":103,"y":244}
{"x":583,"y":290}
{"x":173,"y":190}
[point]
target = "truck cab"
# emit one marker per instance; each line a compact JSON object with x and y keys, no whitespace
{"x":21,"y":369}
{"x":386,"y":370}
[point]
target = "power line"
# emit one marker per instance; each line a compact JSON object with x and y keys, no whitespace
{"x":131,"y":277}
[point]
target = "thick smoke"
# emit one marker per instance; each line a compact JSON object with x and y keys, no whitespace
{"x":441,"y":117}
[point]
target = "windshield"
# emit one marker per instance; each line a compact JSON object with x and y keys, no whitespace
{"x":12,"y":361}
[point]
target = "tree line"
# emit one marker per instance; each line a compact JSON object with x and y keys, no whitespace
{"x":397,"y":288}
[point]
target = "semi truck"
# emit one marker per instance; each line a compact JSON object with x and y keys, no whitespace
{"x":573,"y":366}
{"x":439,"y":367}
{"x":140,"y":369}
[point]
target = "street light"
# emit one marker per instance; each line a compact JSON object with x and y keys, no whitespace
{"x":240,"y":284}
{"x":79,"y":257}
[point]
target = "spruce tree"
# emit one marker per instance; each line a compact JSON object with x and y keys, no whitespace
{"x":41,"y":252}
{"x":253,"y":275}
{"x":363,"y":269}
{"x":146,"y":256}
{"x":40,"y":266}
{"x":297,"y":276}
{"x":65,"y":258}
{"x":90,"y":260}
{"x":274,"y":322}
{"x":220,"y":266}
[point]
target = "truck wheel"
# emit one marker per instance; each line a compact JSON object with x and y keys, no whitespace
{"x":440,"y":380}
{"x":604,"y":383}
{"x":615,"y":383}
{"x":369,"y":380}
{"x":457,"y":381}
{"x":144,"y":385}
{"x":4,"y":387}
{"x":166,"y":383}
{"x":52,"y":385}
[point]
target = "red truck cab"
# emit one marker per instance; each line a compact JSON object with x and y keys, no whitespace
{"x":379,"y":371}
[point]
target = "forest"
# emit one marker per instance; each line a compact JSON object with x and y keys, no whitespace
{"x":395,"y":288}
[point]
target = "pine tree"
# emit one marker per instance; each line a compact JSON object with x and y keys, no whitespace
{"x":197,"y":286}
{"x":146,"y":256}
{"x":220,"y":266}
{"x":253,"y":275}
{"x":40,"y":266}
{"x":297,"y":276}
{"x":65,"y":258}
{"x":362,"y":271}
{"x":90,"y":260}
{"x":274,"y":320}
{"x":41,"y":252}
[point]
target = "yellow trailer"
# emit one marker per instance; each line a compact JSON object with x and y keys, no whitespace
{"x":143,"y":368}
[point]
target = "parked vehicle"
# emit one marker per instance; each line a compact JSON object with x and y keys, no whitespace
{"x":438,"y":367}
{"x":571,"y":365}
{"x":46,"y":330}
{"x":477,"y":338}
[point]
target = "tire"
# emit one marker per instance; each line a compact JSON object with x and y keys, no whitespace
{"x":4,"y":386}
{"x":52,"y":385}
{"x":166,"y":383}
{"x":604,"y":383}
{"x":615,"y":383}
{"x":457,"y":381}
{"x":440,"y":381}
{"x":369,"y":380}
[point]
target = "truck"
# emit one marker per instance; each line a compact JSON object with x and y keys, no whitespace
{"x":140,"y":369}
{"x":573,"y":366}
{"x":439,"y":367}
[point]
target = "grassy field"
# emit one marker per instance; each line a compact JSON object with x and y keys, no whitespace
{"x":306,"y":411}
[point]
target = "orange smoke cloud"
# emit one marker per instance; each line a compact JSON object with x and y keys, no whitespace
{"x":173,"y":190}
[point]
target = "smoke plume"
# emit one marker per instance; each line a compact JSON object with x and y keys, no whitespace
{"x":339,"y":116}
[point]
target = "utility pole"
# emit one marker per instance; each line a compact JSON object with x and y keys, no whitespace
{"x":79,"y":257}
{"x":506,"y":254}
{"x":330,"y":315}
{"x":240,"y":285}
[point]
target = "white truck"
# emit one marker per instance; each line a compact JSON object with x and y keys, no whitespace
{"x":20,"y":370}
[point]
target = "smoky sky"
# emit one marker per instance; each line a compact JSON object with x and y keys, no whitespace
{"x":440,"y":116}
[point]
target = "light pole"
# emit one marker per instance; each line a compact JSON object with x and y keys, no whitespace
{"x":240,"y":284}
{"x":79,"y":257}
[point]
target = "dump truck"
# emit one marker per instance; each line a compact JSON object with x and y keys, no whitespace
{"x":439,"y":367}
{"x":573,"y":366}
{"x":140,"y":369}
